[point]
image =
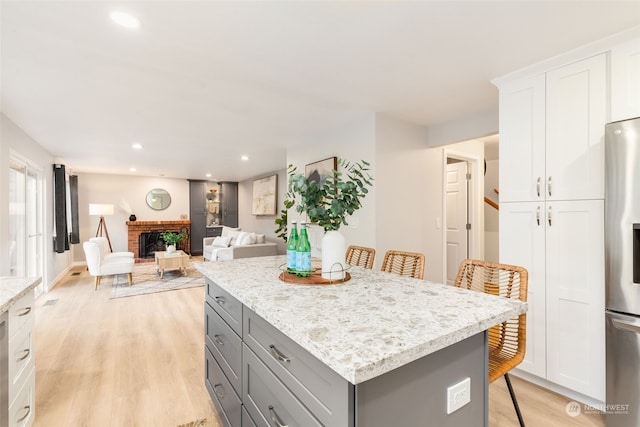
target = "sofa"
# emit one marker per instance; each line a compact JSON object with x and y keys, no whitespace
{"x":234,"y":243}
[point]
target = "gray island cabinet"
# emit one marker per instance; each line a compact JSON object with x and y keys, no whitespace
{"x":378,"y":350}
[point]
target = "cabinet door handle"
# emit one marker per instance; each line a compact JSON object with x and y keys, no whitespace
{"x":278,"y":355}
{"x":549,"y":186}
{"x":219,"y":390}
{"x":220,"y":300}
{"x":24,"y":311}
{"x":538,"y":186}
{"x":549,"y":216}
{"x":24,"y":417}
{"x":538,"y":215}
{"x":275,"y":419}
{"x":27,"y":352}
{"x":218,"y":340}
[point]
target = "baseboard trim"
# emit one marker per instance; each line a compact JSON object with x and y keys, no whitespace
{"x":568,"y":393}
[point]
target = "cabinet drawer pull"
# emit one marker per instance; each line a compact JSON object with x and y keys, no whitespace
{"x":220,"y":300}
{"x":24,"y":417}
{"x":549,"y":186}
{"x":27,"y":352}
{"x":218,"y":340}
{"x":24,"y":311}
{"x":275,"y":419}
{"x":276,"y":353}
{"x":538,"y":186}
{"x":219,"y":390}
{"x":538,"y":215}
{"x":549,"y":216}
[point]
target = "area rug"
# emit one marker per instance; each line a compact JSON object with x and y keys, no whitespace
{"x":146,"y":280}
{"x":199,"y":423}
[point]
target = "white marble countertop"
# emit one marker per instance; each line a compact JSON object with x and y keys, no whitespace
{"x":365,"y":327}
{"x":14,"y":288}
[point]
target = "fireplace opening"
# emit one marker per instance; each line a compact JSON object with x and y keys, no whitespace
{"x":149,"y":243}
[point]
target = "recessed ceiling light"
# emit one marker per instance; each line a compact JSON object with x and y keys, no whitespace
{"x":132,"y":169}
{"x":244,"y":158}
{"x":208,"y":175}
{"x":125,"y":19}
{"x":136,"y":146}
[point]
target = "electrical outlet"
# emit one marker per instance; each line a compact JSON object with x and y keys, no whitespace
{"x":458,"y":395}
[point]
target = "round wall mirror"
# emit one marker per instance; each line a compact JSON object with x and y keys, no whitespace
{"x":158,"y":199}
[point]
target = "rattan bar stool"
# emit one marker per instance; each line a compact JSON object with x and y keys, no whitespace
{"x":360,"y":256}
{"x":409,"y":264}
{"x":507,"y":341}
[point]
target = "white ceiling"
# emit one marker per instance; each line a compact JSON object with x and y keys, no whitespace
{"x":200,"y":83}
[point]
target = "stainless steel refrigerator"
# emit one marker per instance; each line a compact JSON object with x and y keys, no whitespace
{"x":622,"y":272}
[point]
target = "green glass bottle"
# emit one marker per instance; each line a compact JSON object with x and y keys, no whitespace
{"x":292,"y":246}
{"x":303,"y":253}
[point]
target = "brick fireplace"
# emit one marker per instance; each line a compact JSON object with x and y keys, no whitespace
{"x":135,"y":228}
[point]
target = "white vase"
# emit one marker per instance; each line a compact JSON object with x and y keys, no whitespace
{"x":333,"y":250}
{"x":171,"y":249}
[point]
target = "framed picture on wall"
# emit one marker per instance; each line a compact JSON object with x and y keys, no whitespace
{"x":263,"y":201}
{"x":321,"y":170}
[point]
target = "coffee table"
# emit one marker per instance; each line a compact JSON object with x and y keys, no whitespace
{"x":177,"y":260}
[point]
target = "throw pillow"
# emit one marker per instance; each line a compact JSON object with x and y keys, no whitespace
{"x":237,"y":239}
{"x":221,"y":242}
{"x":227,"y":230}
{"x":260,"y":238}
{"x":234,"y":234}
{"x":249,"y":239}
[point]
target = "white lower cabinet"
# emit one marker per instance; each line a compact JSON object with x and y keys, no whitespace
{"x":21,"y":365}
{"x":561,"y":244}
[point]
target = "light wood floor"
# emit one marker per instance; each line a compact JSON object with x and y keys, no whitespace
{"x":139,"y":361}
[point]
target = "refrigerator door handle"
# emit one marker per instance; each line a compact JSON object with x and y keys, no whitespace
{"x":627,"y":326}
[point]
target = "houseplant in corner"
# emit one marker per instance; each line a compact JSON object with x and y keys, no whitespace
{"x":328,"y":203}
{"x":171,"y":239}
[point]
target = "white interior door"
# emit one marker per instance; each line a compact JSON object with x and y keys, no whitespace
{"x":457,"y":206}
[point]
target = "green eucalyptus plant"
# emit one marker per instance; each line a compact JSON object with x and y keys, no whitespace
{"x":328,"y":204}
{"x":281,"y":221}
{"x":171,"y":238}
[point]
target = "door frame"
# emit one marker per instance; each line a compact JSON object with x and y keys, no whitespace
{"x":476,"y":208}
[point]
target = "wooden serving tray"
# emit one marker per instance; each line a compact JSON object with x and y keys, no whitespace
{"x":315,"y":279}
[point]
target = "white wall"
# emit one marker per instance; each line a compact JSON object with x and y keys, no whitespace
{"x":482,"y":123}
{"x":354,"y":142}
{"x":261,"y":223}
{"x":409,"y":186}
{"x":111,"y":189}
{"x":15,"y":140}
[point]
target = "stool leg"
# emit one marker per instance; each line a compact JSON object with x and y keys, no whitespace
{"x":514,"y":400}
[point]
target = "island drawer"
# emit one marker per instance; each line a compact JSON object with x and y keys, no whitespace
{"x":228,"y":405}
{"x":323,"y":391}
{"x":246,"y":419}
{"x":267,"y":400}
{"x":229,"y":308}
{"x":21,"y":314}
{"x":225,"y":346}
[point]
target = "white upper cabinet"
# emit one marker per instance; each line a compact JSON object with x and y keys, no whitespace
{"x":625,"y":80}
{"x":522,"y":134}
{"x":576,"y":113}
{"x":552,"y":134}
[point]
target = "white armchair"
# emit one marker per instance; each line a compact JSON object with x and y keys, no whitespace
{"x":105,"y":251}
{"x":106,"y":266}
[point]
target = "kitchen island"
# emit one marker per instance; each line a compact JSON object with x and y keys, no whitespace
{"x":17,"y":363}
{"x":377,"y":350}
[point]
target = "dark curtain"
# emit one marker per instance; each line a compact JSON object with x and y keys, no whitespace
{"x":61,"y":239}
{"x":74,"y":237}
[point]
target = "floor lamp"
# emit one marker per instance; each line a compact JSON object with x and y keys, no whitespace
{"x":102,"y":210}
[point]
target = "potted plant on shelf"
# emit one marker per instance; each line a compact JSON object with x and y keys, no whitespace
{"x":328,"y":204}
{"x":171,"y":239}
